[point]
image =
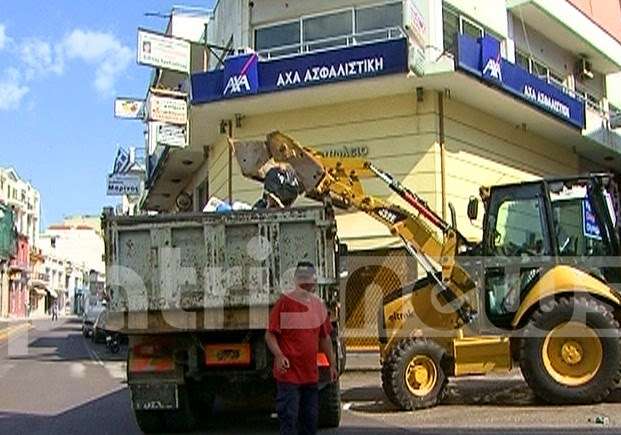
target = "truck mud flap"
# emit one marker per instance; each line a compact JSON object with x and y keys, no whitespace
{"x":153,"y":397}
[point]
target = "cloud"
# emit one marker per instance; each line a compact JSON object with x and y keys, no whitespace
{"x":39,"y":57}
{"x":4,"y":40}
{"x":11,"y":89}
{"x":102,"y":50}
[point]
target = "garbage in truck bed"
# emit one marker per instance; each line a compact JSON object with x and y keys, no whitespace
{"x":280,"y":188}
{"x":215,"y":204}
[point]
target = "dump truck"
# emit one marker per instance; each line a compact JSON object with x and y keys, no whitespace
{"x":193,"y":292}
{"x":540,"y":290}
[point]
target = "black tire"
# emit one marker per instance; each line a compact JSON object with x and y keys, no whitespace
{"x":150,"y":421}
{"x":398,"y":378}
{"x":330,"y":406}
{"x":571,"y":369}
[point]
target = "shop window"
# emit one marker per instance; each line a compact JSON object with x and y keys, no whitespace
{"x":470,"y":28}
{"x":522,"y":60}
{"x":327,"y":30}
{"x":450,"y":21}
{"x":377,"y":18}
{"x":334,"y":29}
{"x":278,"y":39}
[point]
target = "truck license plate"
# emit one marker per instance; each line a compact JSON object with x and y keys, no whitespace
{"x":227,"y":354}
{"x":154,"y":396}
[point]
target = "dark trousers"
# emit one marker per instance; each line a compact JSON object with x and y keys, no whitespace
{"x":298,"y":408}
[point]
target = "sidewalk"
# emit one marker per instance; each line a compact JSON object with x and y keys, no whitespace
{"x":362,"y":361}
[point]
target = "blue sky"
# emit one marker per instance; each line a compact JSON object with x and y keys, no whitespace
{"x":62,"y":63}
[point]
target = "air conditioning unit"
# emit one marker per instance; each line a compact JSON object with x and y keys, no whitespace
{"x":584,"y":69}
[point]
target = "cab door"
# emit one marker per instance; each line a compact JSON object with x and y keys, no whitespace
{"x":516,"y":246}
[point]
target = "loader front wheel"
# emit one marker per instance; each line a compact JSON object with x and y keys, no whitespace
{"x":412,"y":374}
{"x":571,"y":352}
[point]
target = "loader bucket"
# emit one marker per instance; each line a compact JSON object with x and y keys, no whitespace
{"x":253,"y":158}
{"x":307,"y":167}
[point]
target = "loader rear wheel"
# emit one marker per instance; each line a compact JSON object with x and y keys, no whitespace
{"x":412,"y":374}
{"x":330,"y":405}
{"x":571,"y":351}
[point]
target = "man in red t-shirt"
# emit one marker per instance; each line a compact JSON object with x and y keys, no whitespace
{"x":299,"y":327}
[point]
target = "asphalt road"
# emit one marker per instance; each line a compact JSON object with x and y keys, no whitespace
{"x":54,"y":381}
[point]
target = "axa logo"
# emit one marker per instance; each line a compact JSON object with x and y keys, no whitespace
{"x":237,"y":84}
{"x":492,"y":68}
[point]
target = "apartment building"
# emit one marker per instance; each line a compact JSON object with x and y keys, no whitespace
{"x":24,"y":201}
{"x":445,"y":95}
{"x":72,"y":249}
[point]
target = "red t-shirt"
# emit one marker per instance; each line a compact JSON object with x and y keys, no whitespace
{"x":298,"y":320}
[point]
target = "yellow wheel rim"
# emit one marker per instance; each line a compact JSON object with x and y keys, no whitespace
{"x":421,"y":375}
{"x":572,"y":353}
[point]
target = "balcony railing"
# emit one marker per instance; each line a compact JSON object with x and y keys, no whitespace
{"x":332,"y":43}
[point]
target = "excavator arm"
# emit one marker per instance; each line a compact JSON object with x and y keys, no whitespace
{"x":429,"y":238}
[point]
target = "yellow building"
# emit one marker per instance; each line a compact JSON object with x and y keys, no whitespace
{"x":443,"y":95}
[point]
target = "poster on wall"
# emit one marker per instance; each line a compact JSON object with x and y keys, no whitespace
{"x":163,"y":51}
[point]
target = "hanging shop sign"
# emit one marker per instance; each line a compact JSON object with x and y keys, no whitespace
{"x":169,"y":110}
{"x":244,"y":75}
{"x":129,"y":108}
{"x":163,"y":51}
{"x":123,"y":184}
{"x":415,"y":27}
{"x":481,"y":57}
{"x":172,"y":135}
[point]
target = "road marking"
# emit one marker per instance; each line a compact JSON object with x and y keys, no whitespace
{"x":78,"y":370}
{"x":4,"y":369}
{"x":94,"y":357}
{"x":12,"y":331}
{"x":116,"y":369}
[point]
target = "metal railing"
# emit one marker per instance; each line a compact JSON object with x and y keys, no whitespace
{"x":331,"y":43}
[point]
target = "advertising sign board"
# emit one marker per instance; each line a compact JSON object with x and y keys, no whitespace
{"x":163,"y":51}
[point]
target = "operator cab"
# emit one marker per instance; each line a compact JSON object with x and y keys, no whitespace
{"x":533,"y":226}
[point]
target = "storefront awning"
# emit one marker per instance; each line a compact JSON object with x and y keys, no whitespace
{"x":52,"y":293}
{"x":39,"y":291}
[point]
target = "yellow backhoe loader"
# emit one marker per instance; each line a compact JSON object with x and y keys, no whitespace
{"x":540,"y":289}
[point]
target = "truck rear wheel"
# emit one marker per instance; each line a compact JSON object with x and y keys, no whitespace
{"x":571,"y":351}
{"x":150,"y":421}
{"x":183,"y":418}
{"x":330,"y":405}
{"x":412,"y":374}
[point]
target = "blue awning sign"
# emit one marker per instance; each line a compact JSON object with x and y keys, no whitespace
{"x":246,"y":75}
{"x":481,"y":57}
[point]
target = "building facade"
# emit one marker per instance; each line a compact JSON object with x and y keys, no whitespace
{"x":24,"y":202}
{"x":444,"y":95}
{"x":72,"y":249}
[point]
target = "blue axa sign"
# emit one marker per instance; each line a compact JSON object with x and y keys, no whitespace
{"x":320,"y":73}
{"x":246,"y":75}
{"x":482,"y":58}
{"x":241,"y":75}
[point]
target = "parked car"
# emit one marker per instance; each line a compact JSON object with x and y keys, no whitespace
{"x":100,"y":332}
{"x":88,"y":320}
